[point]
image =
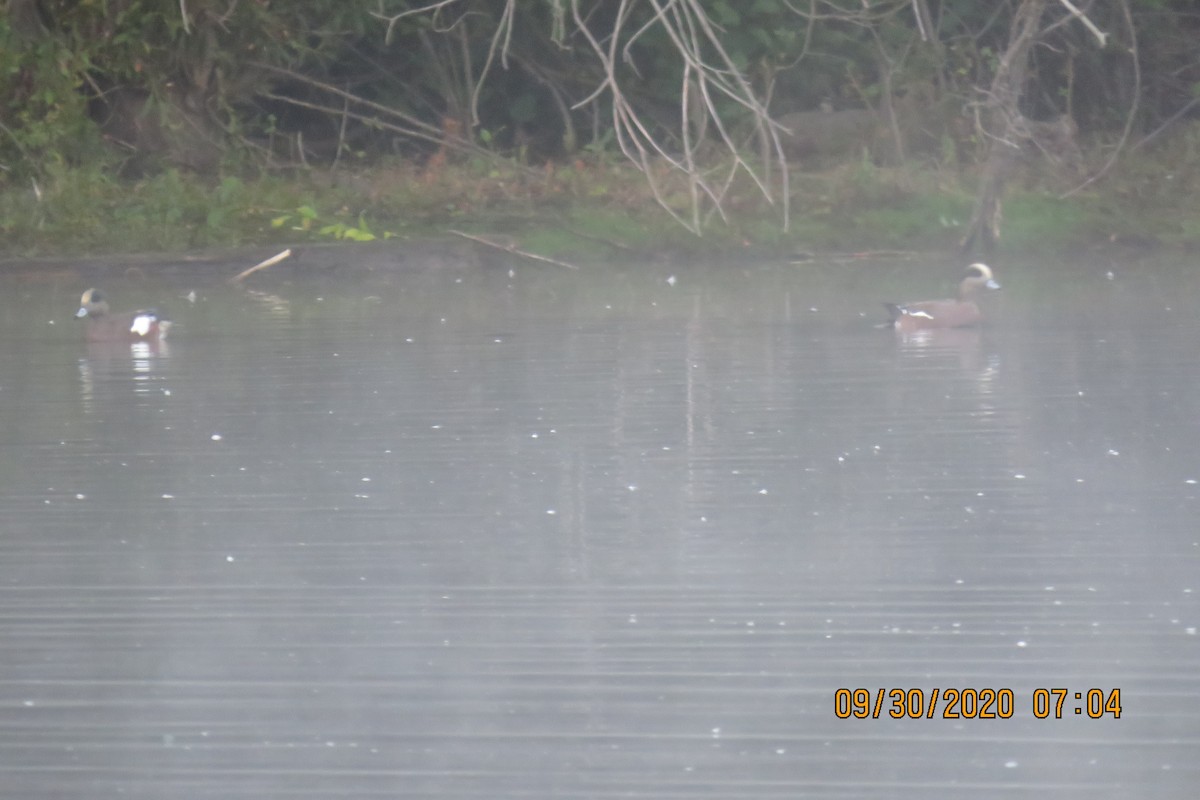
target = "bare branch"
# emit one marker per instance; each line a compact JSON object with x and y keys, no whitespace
{"x":710,"y":79}
{"x":1100,"y":35}
{"x":504,"y":29}
{"x":392,"y":19}
{"x":1133,"y":105}
{"x":512,"y":248}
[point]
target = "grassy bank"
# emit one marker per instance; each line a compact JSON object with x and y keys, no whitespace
{"x":596,"y":209}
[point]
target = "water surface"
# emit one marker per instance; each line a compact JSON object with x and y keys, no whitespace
{"x":459,"y":532}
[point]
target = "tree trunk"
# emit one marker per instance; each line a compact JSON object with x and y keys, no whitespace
{"x":1000,"y":120}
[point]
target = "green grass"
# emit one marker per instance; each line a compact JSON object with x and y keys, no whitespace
{"x":588,"y":209}
{"x":1044,"y":221}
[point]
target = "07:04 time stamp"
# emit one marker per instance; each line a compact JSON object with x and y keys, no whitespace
{"x":951,"y":703}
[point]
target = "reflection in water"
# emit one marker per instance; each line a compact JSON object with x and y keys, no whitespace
{"x":117,"y":364}
{"x":956,"y":349}
{"x":491,"y":534}
{"x":273,"y":304}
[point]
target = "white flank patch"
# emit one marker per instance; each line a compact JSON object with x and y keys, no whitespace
{"x":141,"y":324}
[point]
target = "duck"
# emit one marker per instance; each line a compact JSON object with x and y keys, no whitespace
{"x":962,"y":312}
{"x":128,"y":326}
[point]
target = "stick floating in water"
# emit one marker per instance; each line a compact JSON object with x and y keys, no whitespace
{"x":512,"y":248}
{"x":275,"y":259}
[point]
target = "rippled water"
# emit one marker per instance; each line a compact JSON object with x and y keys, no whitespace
{"x":451,"y":532}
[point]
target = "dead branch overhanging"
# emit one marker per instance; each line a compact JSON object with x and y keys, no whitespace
{"x":392,"y":19}
{"x":687,"y":25}
{"x":412,"y":127}
{"x":1131,"y":114}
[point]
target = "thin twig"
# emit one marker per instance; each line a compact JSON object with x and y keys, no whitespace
{"x":418,"y":129}
{"x":341,"y":145}
{"x":1171,"y":120}
{"x":509,"y":248}
{"x":394,"y":18}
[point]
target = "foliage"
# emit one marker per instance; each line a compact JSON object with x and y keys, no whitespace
{"x":305,"y":219}
{"x":87,"y":209}
{"x":43,"y":116}
{"x":155,"y":90}
{"x":595,"y":210}
{"x":149,"y":74}
{"x":249,"y":68}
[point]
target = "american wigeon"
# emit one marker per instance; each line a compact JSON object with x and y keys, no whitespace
{"x":960,"y":313}
{"x":128,"y":326}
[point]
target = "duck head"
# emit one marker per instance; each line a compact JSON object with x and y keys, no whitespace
{"x":979,"y":276}
{"x":92,"y":304}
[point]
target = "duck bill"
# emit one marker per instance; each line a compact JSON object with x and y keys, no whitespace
{"x":81,"y":313}
{"x":991,"y":284}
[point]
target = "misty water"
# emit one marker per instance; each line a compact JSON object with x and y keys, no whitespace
{"x":491,"y":529}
